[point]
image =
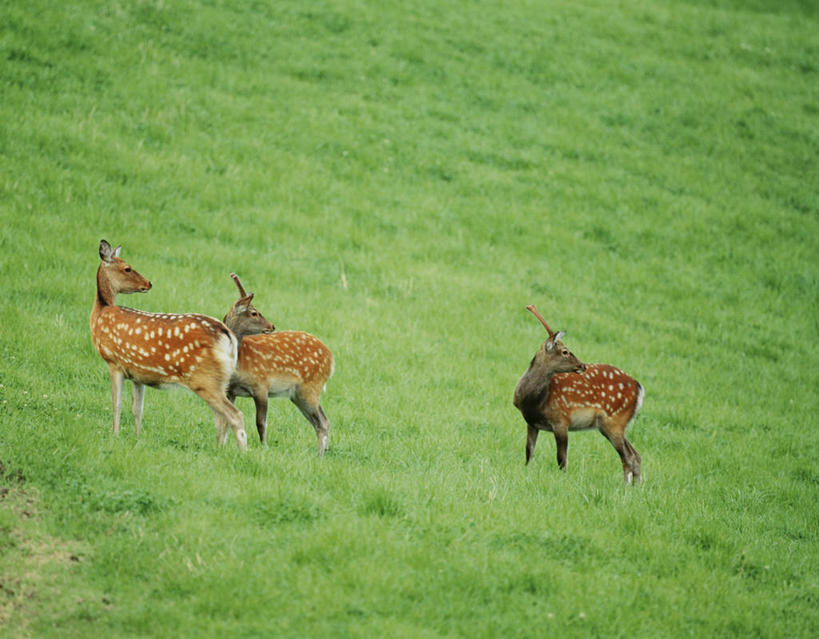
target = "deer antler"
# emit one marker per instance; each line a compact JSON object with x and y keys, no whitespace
{"x":532,"y":308}
{"x":238,"y":284}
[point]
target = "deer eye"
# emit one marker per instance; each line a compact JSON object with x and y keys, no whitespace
{"x":565,"y":353}
{"x":127,"y":269}
{"x":253,"y":313}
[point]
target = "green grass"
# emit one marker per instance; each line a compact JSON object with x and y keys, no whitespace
{"x":401,"y":181}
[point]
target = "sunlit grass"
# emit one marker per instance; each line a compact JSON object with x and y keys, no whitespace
{"x":402,"y":181}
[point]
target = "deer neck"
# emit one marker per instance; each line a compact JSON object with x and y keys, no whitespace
{"x":106,"y":295}
{"x":533,"y":387}
{"x":227,"y":320}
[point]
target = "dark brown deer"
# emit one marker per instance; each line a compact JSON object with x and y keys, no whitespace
{"x":290,"y":364}
{"x":558,"y":393}
{"x":161,"y":349}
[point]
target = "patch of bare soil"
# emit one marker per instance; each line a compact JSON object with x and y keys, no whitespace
{"x":34,"y":566}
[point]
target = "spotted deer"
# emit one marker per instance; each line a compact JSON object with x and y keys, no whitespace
{"x":558,"y":393}
{"x":290,"y":364}
{"x":161,"y":349}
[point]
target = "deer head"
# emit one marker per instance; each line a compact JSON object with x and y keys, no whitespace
{"x":550,"y":359}
{"x":243,"y":318}
{"x":115,"y":275}
{"x":553,"y":356}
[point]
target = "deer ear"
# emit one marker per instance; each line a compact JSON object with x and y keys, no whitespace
{"x":118,"y":250}
{"x":243,"y":303}
{"x":106,"y":252}
{"x":552,"y":341}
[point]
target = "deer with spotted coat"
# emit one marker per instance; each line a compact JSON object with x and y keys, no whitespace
{"x":291,"y":364}
{"x":559,"y":393}
{"x":161,"y":349}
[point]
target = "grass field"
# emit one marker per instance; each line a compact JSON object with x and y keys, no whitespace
{"x":401,"y":179}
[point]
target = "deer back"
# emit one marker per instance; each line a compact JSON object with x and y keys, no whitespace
{"x":602,"y":391}
{"x":161,"y":348}
{"x":281,"y":357}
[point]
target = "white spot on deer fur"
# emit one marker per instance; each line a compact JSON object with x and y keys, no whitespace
{"x":167,"y":357}
{"x":159,"y":331}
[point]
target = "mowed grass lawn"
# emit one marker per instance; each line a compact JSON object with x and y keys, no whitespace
{"x":402,"y":180}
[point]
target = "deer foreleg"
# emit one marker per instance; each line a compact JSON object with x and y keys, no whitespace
{"x":562,"y":442}
{"x":260,"y":399}
{"x":531,"y":441}
{"x":138,"y":392}
{"x":117,"y":379}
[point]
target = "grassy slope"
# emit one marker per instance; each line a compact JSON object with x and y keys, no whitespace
{"x":644,"y":172}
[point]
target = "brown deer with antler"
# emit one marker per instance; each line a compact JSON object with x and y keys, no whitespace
{"x":559,"y":393}
{"x":291,"y":364}
{"x":161,"y":349}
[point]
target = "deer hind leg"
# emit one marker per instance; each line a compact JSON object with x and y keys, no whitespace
{"x":626,"y":452}
{"x":138,"y":403}
{"x":311,"y":409}
{"x":224,"y":413}
{"x":562,"y":443}
{"x":635,"y":460}
{"x":531,"y":441}
{"x":234,"y":417}
{"x":117,"y":379}
{"x":324,"y":431}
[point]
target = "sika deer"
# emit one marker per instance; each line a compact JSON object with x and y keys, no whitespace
{"x":161,"y":350}
{"x":559,"y":394}
{"x":290,"y":364}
